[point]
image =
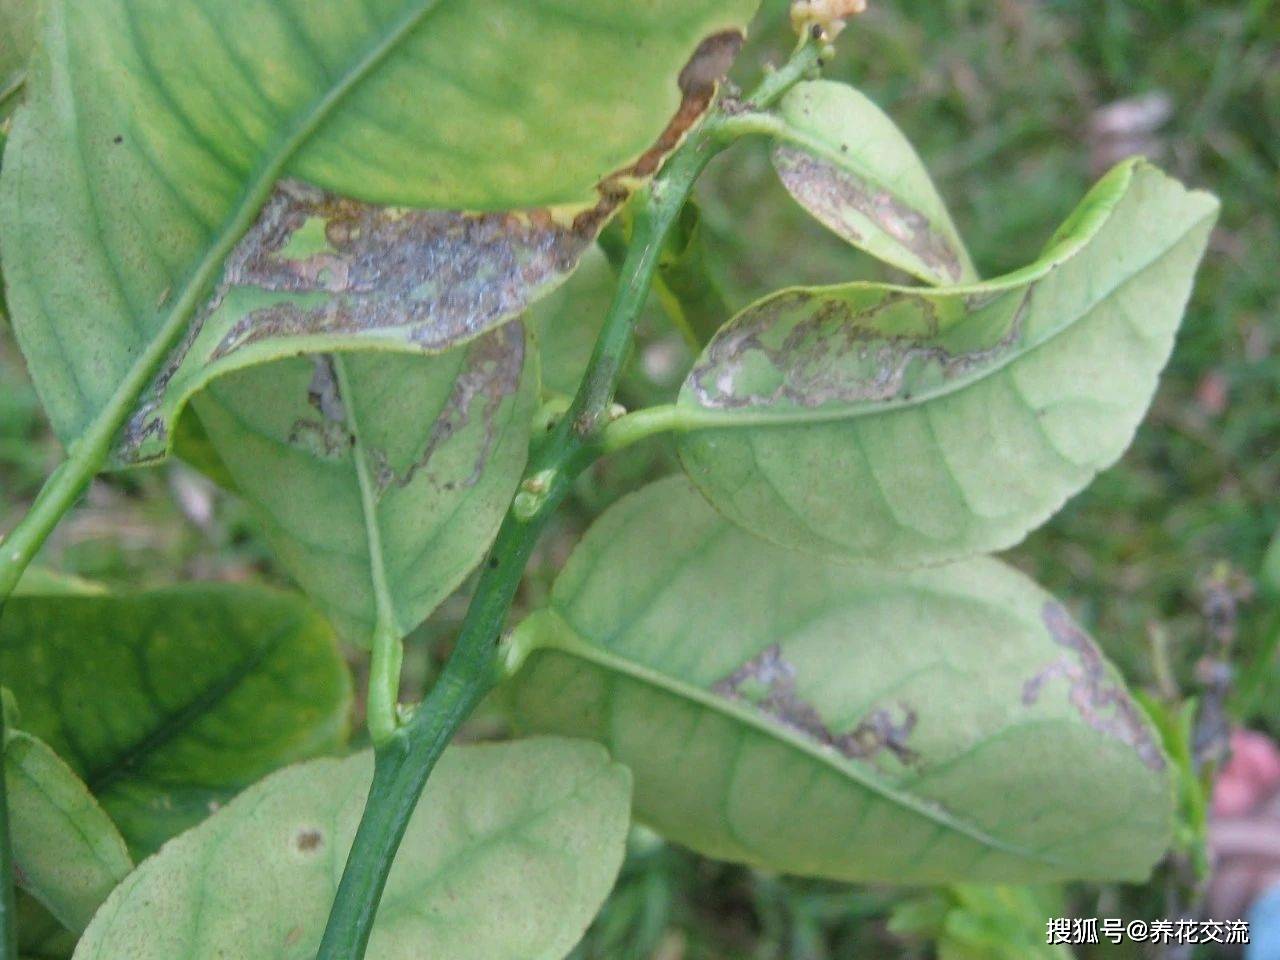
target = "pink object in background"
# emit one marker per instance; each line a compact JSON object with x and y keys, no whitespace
{"x":1250,"y":776}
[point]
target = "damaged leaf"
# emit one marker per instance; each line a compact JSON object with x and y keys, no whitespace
{"x":849,"y":165}
{"x":67,"y":852}
{"x":155,"y":133}
{"x":319,"y":273}
{"x":916,"y":426}
{"x":166,"y":704}
{"x":840,"y":721}
{"x":535,"y":828}
{"x":401,"y":478}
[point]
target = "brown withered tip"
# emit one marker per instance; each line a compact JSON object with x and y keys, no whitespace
{"x":710,"y":63}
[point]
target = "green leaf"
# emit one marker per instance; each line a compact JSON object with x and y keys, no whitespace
{"x":68,"y":853}
{"x":511,"y":851}
{"x":40,"y":936}
{"x":18,"y":23}
{"x":837,"y":721}
{"x":396,"y":483}
{"x":848,"y":164}
{"x":155,"y":132}
{"x":983,"y":923}
{"x":686,"y":284}
{"x":566,"y":323}
{"x":43,"y":581}
{"x":169,"y":703}
{"x":916,"y":426}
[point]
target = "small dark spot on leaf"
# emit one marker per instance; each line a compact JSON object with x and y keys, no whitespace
{"x":493,"y":563}
{"x":117,"y":139}
{"x":308,"y":840}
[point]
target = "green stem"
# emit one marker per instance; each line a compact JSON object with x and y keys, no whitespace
{"x":386,"y":645}
{"x":803,"y":63}
{"x":8,"y":918}
{"x":641,"y":425}
{"x":403,"y":763}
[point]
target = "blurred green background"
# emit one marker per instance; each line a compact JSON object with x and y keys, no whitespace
{"x":1016,"y":107}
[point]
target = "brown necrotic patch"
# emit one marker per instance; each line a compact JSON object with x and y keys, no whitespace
{"x":438,"y":277}
{"x":327,"y":436}
{"x":833,"y":354}
{"x":1095,"y":694}
{"x":832,"y":193}
{"x":768,"y":682}
{"x":490,"y":375}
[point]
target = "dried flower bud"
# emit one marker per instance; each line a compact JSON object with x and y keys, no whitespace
{"x":828,"y":16}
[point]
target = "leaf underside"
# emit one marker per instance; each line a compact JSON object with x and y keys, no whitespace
{"x":849,"y":165}
{"x":68,"y":854}
{"x":168,"y":703}
{"x":442,"y":442}
{"x":509,"y":855}
{"x":915,"y":426}
{"x":40,"y":936}
{"x":17,"y":37}
{"x":839,"y":721}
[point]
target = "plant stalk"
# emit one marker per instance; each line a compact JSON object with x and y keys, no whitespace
{"x":8,"y":909}
{"x":403,"y":763}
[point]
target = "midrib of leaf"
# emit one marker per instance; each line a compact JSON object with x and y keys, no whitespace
{"x":174,"y":724}
{"x":543,"y":637}
{"x":76,"y":824}
{"x":11,"y":89}
{"x":696,"y":416}
{"x":101,"y":431}
{"x":470,"y":851}
{"x":387,"y":623}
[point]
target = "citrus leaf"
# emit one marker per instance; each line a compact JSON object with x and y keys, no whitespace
{"x":156,"y":133}
{"x":511,"y":851}
{"x":18,"y":23}
{"x":68,"y":853}
{"x":397,"y":482}
{"x":686,"y":284}
{"x":842,"y":721}
{"x":848,"y":164}
{"x":168,"y":703}
{"x":39,"y":581}
{"x":318,"y":274}
{"x":40,"y":936}
{"x":916,"y":426}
